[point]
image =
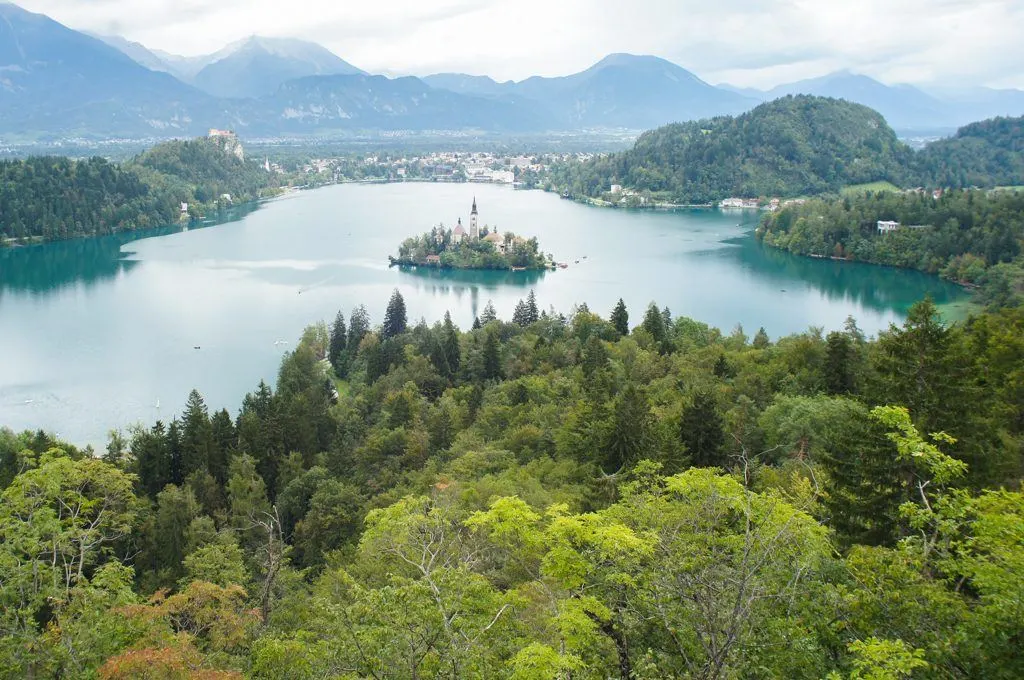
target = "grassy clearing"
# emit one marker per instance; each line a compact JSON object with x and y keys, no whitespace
{"x":857,"y":189}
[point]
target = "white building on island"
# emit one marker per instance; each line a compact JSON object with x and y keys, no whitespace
{"x":887,"y":226}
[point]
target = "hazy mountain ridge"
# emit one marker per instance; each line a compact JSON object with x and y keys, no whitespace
{"x":258,"y":66}
{"x":73,"y":84}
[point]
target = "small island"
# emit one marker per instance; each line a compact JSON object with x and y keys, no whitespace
{"x":477,"y":248}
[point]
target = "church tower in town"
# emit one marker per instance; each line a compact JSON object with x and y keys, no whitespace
{"x":474,"y":225}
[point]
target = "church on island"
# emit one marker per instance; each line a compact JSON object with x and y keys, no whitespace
{"x":479,"y":247}
{"x":459,"y":234}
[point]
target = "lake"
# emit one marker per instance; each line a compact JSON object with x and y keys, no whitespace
{"x":101,"y":333}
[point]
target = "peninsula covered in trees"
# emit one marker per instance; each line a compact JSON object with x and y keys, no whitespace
{"x":559,"y":496}
{"x":971,"y":236}
{"x":54,"y":198}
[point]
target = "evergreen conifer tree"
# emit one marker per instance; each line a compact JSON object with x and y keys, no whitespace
{"x":620,"y":318}
{"x":630,"y":434}
{"x":450,"y":343}
{"x":761,"y":339}
{"x":532,"y":313}
{"x":395,"y":321}
{"x":839,"y":378}
{"x":520,"y":315}
{"x":338,"y":342}
{"x":702,"y":432}
{"x":492,"y":357}
{"x":358,"y":327}
{"x":489,"y":314}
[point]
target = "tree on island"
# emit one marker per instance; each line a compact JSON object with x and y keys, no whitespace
{"x":395,"y":321}
{"x":620,"y":318}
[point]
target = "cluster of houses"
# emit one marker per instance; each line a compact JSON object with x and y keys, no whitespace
{"x":755,"y":203}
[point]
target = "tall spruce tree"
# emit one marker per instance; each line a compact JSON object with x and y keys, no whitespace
{"x":703,"y":432}
{"x":629,"y":438}
{"x":196,"y":436}
{"x":338,"y":342}
{"x":521,"y":315}
{"x":761,"y":339}
{"x":654,"y":323}
{"x":358,"y":327}
{"x":450,"y":343}
{"x":839,"y":364}
{"x":620,"y":318}
{"x":532,"y":312}
{"x":489,"y":314}
{"x":492,"y":357}
{"x":395,"y":321}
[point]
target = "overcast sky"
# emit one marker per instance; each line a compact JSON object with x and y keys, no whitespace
{"x":757,"y":43}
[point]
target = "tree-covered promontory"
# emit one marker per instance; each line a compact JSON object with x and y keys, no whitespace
{"x":969,"y":236}
{"x":54,"y":198}
{"x":555,"y":497}
{"x":792,"y":147}
{"x":788,"y":147}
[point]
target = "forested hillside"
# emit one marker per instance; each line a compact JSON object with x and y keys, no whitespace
{"x":968,"y":236}
{"x":788,"y":147}
{"x":985,"y":154}
{"x":797,"y":146}
{"x":53,"y":198}
{"x":561,"y":497}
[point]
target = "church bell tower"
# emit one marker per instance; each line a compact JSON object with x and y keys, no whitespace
{"x":474,"y":225}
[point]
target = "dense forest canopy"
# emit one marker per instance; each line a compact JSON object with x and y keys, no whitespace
{"x":796,"y":146}
{"x":985,"y":154}
{"x":788,"y":147}
{"x":53,"y":198}
{"x":555,"y":497}
{"x":968,"y":236}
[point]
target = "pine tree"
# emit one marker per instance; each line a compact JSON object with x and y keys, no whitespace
{"x":450,"y":343}
{"x":196,"y":436}
{"x":492,"y":357}
{"x":224,"y":439}
{"x":489,"y":314}
{"x":358,"y":327}
{"x":476,"y":323}
{"x":630,"y":435}
{"x":839,"y":377}
{"x":521,"y":314}
{"x":722,"y":368}
{"x":654,"y":323}
{"x":395,"y":321}
{"x":338,"y":342}
{"x":702,"y":432}
{"x":174,"y":452}
{"x":595,"y":357}
{"x":761,"y":339}
{"x":620,"y":318}
{"x":532,"y":313}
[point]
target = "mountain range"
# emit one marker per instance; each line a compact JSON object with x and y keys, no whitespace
{"x":56,"y":83}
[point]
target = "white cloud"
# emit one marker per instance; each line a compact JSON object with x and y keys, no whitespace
{"x":746,"y":42}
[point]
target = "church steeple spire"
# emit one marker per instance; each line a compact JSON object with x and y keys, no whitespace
{"x":474,"y":225}
{"x":473,"y":211}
